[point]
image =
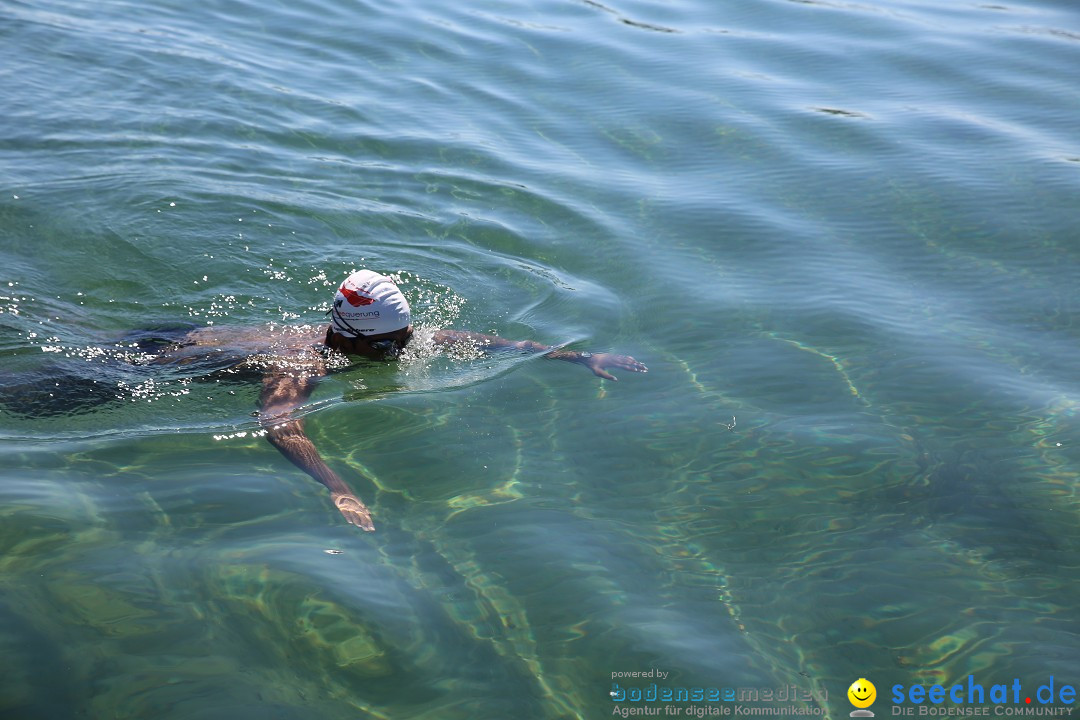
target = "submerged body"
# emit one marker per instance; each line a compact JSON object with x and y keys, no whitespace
{"x":370,"y":319}
{"x":289,"y":361}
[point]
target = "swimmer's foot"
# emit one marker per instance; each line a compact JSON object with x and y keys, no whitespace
{"x":355,"y":512}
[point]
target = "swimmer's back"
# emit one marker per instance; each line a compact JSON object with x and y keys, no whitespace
{"x":242,"y":348}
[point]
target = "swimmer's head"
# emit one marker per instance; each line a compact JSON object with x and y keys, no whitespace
{"x":368,"y":303}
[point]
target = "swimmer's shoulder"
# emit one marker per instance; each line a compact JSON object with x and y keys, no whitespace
{"x":250,"y":346}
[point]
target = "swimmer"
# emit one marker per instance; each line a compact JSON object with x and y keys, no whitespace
{"x":370,"y":318}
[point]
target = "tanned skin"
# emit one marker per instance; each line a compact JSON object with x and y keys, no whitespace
{"x":288,"y":384}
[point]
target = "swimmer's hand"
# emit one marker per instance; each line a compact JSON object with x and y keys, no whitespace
{"x":597,"y":362}
{"x":600,"y":362}
{"x":355,"y":512}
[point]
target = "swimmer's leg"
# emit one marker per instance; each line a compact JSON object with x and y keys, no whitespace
{"x":51,"y":391}
{"x":57,"y":388}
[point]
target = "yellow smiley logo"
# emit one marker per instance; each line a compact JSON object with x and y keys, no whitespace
{"x":862,"y":693}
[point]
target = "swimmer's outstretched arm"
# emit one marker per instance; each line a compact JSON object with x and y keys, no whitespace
{"x":597,"y":362}
{"x":281,"y":394}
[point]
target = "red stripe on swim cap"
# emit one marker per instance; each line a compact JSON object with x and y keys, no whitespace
{"x":355,"y":299}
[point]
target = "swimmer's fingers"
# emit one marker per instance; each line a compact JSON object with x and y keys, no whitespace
{"x":355,"y":512}
{"x":625,"y":362}
{"x":599,"y":363}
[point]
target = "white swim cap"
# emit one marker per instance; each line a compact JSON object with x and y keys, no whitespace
{"x":368,"y":303}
